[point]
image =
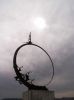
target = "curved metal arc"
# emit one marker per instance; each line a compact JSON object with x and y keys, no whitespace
{"x":16,"y":67}
{"x":50,"y":60}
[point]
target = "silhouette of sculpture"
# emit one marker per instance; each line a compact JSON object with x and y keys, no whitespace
{"x":25,"y":78}
{"x":29,"y":40}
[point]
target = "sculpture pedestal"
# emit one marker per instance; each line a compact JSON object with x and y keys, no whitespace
{"x":38,"y":95}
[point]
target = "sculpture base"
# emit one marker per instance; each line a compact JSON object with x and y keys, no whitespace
{"x":38,"y":95}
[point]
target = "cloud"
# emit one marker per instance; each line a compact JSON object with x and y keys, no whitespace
{"x":56,"y":39}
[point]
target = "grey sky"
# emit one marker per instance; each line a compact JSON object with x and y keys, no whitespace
{"x":16,"y":21}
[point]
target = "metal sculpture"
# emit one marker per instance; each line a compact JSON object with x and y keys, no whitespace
{"x":24,"y":78}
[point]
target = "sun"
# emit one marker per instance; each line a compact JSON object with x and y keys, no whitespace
{"x":39,"y":23}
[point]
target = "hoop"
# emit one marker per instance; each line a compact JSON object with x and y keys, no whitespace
{"x":19,"y":74}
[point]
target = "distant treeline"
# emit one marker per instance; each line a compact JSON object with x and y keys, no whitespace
{"x":66,"y":98}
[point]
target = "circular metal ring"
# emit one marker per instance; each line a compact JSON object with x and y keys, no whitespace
{"x":19,"y":74}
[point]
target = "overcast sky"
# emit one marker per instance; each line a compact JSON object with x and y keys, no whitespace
{"x":17,"y":19}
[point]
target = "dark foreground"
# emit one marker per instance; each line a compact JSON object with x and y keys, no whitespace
{"x":64,"y":98}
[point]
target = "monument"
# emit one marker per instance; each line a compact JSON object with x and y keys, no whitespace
{"x":35,"y":92}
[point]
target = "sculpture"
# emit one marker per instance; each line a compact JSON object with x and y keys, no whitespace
{"x":24,"y":78}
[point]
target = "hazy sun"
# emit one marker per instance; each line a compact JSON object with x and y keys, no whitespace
{"x":39,"y":23}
